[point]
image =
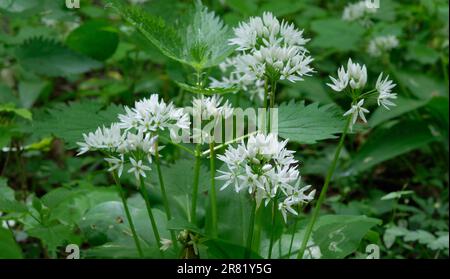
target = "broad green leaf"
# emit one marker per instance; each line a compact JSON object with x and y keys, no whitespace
{"x":206,"y":91}
{"x":8,"y":202}
{"x":308,"y":124}
{"x":8,"y":246}
{"x":387,"y":143}
{"x":340,"y":235}
{"x":49,"y":58}
{"x":421,"y":53}
{"x":199,"y":39}
{"x":422,"y":85}
{"x":403,"y":105}
{"x":336,"y":34}
{"x":310,"y":88}
{"x":69,"y":122}
{"x":96,"y":39}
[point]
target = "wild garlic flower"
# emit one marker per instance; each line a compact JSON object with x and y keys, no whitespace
{"x":270,"y":48}
{"x":234,"y":75}
{"x":357,"y":110}
{"x":357,"y":11}
{"x":384,"y":88}
{"x":150,"y":115}
{"x":133,"y":141}
{"x":267,"y":170}
{"x":355,"y":78}
{"x":165,"y":244}
{"x":382,"y":44}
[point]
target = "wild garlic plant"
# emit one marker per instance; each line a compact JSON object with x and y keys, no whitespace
{"x":351,"y":82}
{"x":133,"y":142}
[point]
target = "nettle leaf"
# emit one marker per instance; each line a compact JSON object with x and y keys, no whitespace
{"x":69,"y":122}
{"x":309,"y":124}
{"x":401,"y":138}
{"x":206,"y":91}
{"x":340,"y":235}
{"x":96,"y":39}
{"x":198,"y":40}
{"x":49,"y":58}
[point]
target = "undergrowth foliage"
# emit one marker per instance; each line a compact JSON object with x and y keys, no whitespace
{"x":121,"y":133}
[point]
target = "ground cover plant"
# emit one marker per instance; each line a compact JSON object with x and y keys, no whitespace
{"x":224,"y":129}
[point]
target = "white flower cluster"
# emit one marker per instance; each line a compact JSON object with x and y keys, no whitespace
{"x":357,"y":11}
{"x":267,"y":170}
{"x":233,"y":78}
{"x":382,"y":44}
{"x":133,"y":139}
{"x":270,"y":48}
{"x":355,"y":77}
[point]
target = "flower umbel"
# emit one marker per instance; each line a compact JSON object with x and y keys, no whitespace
{"x":267,"y":170}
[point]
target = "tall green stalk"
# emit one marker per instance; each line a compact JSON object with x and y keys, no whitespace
{"x":163,"y":192}
{"x":213,"y":195}
{"x":272,"y":230}
{"x":127,"y":213}
{"x":251,"y":226}
{"x":144,"y":194}
{"x":195,"y":184}
{"x":323,"y":192}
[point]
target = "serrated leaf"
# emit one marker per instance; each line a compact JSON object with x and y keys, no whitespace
{"x":206,"y":91}
{"x":49,"y":58}
{"x":198,"y":40}
{"x":308,"y":124}
{"x":69,"y":122}
{"x":387,"y":143}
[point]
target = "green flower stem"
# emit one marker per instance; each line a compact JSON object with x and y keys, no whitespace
{"x":195,"y":184}
{"x":294,"y":229}
{"x":323,"y":192}
{"x":272,"y":229}
{"x":127,"y":213}
{"x":213,"y":195}
{"x":251,"y":226}
{"x":144,"y":194}
{"x":163,"y":192}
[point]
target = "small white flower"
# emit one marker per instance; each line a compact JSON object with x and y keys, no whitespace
{"x":357,"y":110}
{"x":357,"y":74}
{"x":379,"y":45}
{"x":138,"y":168}
{"x":384,"y":88}
{"x":341,"y":82}
{"x":116,"y":164}
{"x":165,"y":244}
